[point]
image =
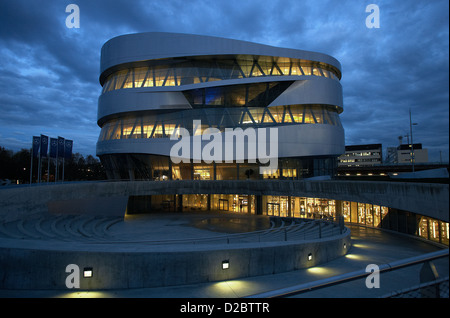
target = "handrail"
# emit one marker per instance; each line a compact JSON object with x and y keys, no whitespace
{"x":225,"y":237}
{"x":327,"y":282}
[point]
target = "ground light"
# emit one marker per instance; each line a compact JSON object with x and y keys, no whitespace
{"x":87,"y":272}
{"x":225,"y":264}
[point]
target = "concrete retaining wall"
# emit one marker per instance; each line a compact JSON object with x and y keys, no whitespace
{"x":45,"y":269}
{"x":423,"y":198}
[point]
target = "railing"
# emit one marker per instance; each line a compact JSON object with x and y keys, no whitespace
{"x":278,"y":231}
{"x":339,"y":279}
{"x":435,"y":289}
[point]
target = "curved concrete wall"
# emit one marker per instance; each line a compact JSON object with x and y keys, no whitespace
{"x":117,"y":268}
{"x":423,"y":198}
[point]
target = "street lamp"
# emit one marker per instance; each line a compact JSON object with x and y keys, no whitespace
{"x":412,"y":143}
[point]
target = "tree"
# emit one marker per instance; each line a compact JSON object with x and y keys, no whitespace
{"x":16,"y":167}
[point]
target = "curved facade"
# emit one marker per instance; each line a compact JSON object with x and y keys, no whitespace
{"x":159,"y":89}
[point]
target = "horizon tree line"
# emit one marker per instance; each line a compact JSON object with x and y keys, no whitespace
{"x":16,"y":166}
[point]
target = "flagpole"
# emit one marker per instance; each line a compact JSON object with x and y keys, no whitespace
{"x":31,"y":168}
{"x":56,"y":167}
{"x":39,"y":168}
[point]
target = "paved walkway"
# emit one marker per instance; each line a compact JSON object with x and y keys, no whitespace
{"x":370,"y":246}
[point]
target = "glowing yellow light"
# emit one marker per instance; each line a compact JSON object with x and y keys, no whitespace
{"x":359,"y":245}
{"x":85,"y":294}
{"x":318,"y":270}
{"x":354,"y":256}
{"x":233,"y":286}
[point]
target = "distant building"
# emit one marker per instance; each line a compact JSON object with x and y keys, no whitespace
{"x":361,"y":155}
{"x":404,"y":153}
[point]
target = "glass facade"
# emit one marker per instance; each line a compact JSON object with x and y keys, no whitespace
{"x":160,"y":168}
{"x":434,"y":230}
{"x":220,"y":106}
{"x":194,"y":70}
{"x":305,"y":207}
{"x":163,"y":125}
{"x":255,"y":94}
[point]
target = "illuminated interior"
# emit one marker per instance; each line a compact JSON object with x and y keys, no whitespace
{"x":371,"y":215}
{"x":162,"y":125}
{"x":194,"y":70}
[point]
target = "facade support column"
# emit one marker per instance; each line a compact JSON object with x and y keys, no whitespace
{"x":258,"y":201}
{"x":180,"y":203}
{"x":289,"y":207}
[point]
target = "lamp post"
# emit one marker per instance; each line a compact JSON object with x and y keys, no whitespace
{"x":412,"y":143}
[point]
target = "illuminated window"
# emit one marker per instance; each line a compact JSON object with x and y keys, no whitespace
{"x":149,"y":79}
{"x":246,"y":67}
{"x":317,"y":71}
{"x":257,"y":114}
{"x":168,"y":129}
{"x":277,"y":114}
{"x":127,"y":131}
{"x":147,"y":131}
{"x":194,"y":71}
{"x":246,"y":119}
{"x":160,"y":76}
{"x":120,"y":78}
{"x":307,"y":70}
{"x":139,"y":76}
{"x":158,"y":133}
{"x":285,"y":67}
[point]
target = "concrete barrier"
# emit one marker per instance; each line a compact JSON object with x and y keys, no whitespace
{"x":38,"y":268}
{"x":422,"y":198}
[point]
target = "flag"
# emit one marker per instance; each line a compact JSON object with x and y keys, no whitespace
{"x":44,"y":146}
{"x":36,"y":145}
{"x":60,"y":147}
{"x":68,"y":148}
{"x":53,"y":147}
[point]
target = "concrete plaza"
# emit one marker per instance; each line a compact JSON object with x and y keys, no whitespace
{"x":369,"y":246}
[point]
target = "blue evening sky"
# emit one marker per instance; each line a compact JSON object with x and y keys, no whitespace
{"x":49,"y":73}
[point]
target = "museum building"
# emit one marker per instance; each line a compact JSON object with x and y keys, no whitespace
{"x":154,"y":84}
{"x":161,"y":89}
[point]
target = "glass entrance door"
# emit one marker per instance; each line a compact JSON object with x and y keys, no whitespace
{"x":273,"y":209}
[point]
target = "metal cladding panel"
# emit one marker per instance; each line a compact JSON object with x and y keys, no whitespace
{"x":315,"y":90}
{"x":121,"y":101}
{"x":157,"y":45}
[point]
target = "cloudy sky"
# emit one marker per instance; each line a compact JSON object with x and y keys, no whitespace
{"x":49,"y":73}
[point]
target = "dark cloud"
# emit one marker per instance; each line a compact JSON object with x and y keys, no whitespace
{"x":49,"y":73}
